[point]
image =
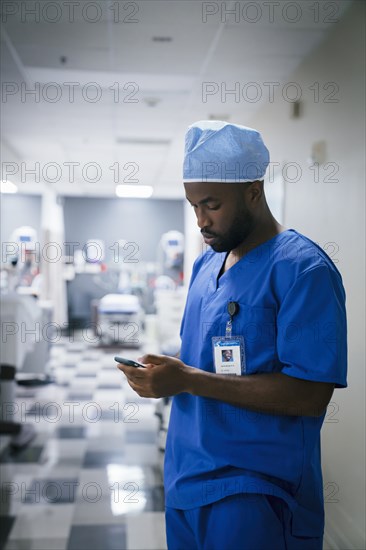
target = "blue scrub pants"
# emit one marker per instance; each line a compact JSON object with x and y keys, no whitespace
{"x":238,"y":522}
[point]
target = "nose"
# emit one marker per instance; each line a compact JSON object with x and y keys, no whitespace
{"x":202,"y":219}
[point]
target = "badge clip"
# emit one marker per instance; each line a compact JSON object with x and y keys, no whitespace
{"x":232,"y":309}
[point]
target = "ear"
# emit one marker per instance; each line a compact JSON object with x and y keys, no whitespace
{"x":255,"y":192}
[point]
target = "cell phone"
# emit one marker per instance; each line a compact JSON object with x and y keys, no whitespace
{"x":128,"y":362}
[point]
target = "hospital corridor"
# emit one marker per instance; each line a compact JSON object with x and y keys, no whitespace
{"x":182,"y":277}
{"x":90,"y":478}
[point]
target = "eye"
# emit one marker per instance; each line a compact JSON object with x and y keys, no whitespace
{"x":216,"y":207}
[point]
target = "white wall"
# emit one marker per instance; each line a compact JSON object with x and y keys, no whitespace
{"x":334,"y":213}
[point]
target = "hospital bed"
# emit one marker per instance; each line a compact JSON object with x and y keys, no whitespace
{"x":120,"y":319}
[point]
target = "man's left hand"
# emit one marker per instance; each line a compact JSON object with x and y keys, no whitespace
{"x":163,"y":376}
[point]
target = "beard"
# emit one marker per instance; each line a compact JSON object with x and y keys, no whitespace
{"x":239,"y":230}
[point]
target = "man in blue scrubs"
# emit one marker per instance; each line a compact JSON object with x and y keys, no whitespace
{"x":242,"y":466}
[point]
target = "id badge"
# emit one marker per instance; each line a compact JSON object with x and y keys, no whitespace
{"x":229,"y":355}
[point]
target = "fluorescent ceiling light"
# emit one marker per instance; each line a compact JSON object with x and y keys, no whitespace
{"x":8,"y":187}
{"x":142,"y":141}
{"x":134,"y":191}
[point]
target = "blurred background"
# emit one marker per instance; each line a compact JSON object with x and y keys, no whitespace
{"x":98,"y":241}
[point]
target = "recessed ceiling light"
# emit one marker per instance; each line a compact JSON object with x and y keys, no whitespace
{"x":218,"y":117}
{"x":151,"y":101}
{"x":134,"y":191}
{"x":8,"y":187}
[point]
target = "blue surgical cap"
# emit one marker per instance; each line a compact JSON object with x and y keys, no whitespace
{"x":216,"y":151}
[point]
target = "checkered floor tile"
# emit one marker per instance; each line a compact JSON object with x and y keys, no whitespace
{"x":91,"y":476}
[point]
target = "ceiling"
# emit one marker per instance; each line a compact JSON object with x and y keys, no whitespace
{"x":117,"y":83}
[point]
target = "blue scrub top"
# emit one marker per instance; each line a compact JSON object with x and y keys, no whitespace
{"x":292,"y":317}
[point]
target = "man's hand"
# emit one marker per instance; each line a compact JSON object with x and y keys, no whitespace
{"x":273,"y":393}
{"x":163,"y":376}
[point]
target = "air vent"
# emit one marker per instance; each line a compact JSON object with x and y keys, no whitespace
{"x":162,"y":39}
